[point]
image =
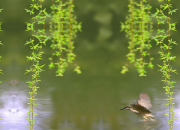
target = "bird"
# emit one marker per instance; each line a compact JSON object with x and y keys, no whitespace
{"x":142,"y":107}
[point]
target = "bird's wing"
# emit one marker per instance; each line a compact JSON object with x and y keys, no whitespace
{"x":139,"y":108}
{"x":144,"y":100}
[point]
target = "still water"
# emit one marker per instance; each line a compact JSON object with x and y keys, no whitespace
{"x":85,"y":102}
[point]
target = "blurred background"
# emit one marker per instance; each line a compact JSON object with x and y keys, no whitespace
{"x":91,"y":100}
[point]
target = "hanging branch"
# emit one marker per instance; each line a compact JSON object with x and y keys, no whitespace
{"x":52,"y":29}
{"x":131,"y":54}
{"x":0,"y":44}
{"x":150,"y":29}
{"x":38,"y":39}
{"x":165,"y":55}
{"x":0,"y":56}
{"x":63,"y":28}
{"x":138,"y":33}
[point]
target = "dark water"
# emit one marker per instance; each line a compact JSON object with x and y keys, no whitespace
{"x":93,"y":99}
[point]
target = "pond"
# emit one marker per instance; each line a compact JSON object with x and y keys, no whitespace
{"x":91,"y":100}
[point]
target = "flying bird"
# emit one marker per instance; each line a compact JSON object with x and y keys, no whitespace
{"x":142,"y":107}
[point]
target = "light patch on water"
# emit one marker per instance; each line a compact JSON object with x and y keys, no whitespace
{"x":14,"y":108}
{"x":160,"y":109}
{"x":177,"y":108}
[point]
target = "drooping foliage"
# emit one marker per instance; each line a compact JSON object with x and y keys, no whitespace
{"x":138,"y":28}
{"x":63,"y":29}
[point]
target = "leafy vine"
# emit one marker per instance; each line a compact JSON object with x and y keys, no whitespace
{"x":38,"y":40}
{"x":165,"y":54}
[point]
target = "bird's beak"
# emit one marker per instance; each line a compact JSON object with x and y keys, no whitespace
{"x":122,"y":109}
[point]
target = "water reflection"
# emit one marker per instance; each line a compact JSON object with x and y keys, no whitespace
{"x":66,"y":125}
{"x":101,"y":125}
{"x":57,"y":110}
{"x":13,"y":82}
{"x":14,"y":107}
{"x":177,"y":107}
